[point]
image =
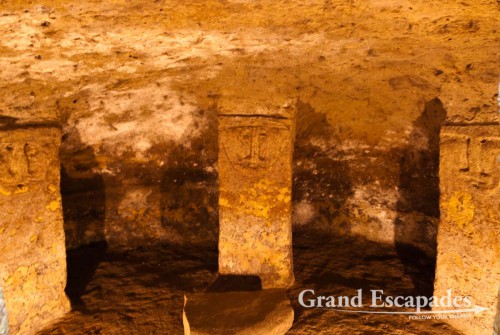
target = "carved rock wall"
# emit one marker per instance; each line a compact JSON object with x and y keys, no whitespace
{"x":32,"y":245}
{"x":137,"y":85}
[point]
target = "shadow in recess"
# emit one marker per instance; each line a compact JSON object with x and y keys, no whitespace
{"x":83,"y":201}
{"x":418,"y":201}
{"x":82,"y":264}
{"x":189,"y":186}
{"x":321,"y":178}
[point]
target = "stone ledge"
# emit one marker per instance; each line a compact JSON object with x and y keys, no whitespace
{"x":265,"y":312}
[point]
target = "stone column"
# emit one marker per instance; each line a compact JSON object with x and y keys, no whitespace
{"x":468,"y":260}
{"x":32,"y":248}
{"x":255,"y":183}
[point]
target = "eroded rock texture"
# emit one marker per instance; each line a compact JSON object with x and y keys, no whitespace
{"x":255,"y":184}
{"x":468,"y":250}
{"x":137,"y":84}
{"x":32,"y":245}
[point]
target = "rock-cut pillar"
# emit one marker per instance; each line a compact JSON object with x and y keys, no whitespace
{"x":32,"y":246}
{"x":468,"y":260}
{"x":255,"y":184}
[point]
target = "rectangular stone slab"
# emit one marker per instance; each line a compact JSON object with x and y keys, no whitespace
{"x":32,"y":246}
{"x":468,"y":260}
{"x":255,"y":184}
{"x":267,"y":312}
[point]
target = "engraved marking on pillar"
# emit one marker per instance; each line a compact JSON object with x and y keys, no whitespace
{"x":475,"y":157}
{"x":255,"y":153}
{"x":252,"y":144}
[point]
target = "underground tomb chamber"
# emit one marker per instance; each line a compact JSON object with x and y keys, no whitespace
{"x":156,"y":177}
{"x":169,"y":288}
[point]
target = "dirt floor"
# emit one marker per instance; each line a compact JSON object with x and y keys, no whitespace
{"x":141,"y":291}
